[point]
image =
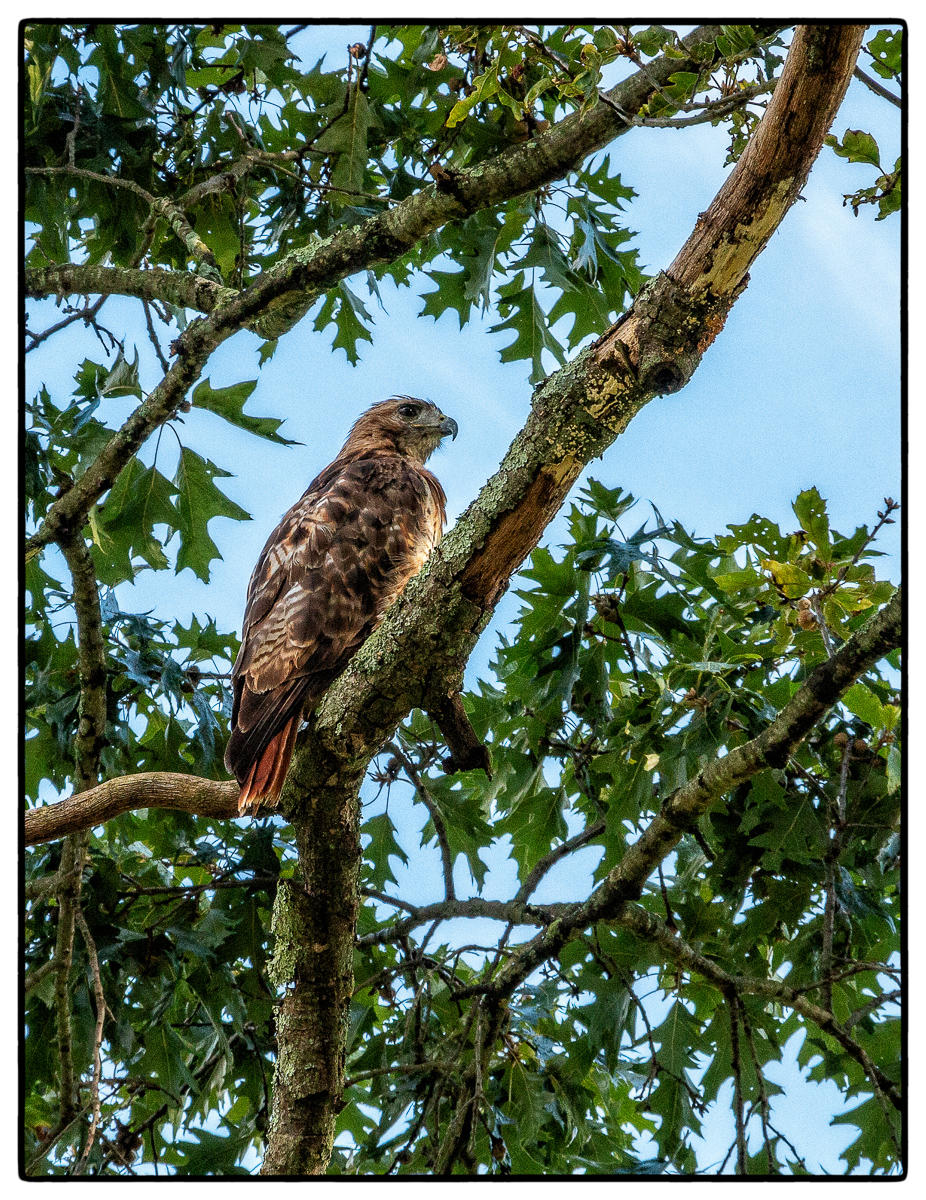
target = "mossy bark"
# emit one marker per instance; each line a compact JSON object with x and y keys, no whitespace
{"x":314,"y":922}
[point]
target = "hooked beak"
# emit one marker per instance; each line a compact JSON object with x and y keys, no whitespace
{"x":449,"y":425}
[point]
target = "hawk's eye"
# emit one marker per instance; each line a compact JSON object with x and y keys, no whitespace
{"x":409,"y":410}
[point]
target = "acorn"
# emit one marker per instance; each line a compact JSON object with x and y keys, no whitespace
{"x":841,"y":739}
{"x":806,"y":619}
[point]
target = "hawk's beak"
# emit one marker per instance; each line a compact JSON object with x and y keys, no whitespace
{"x":449,"y":425}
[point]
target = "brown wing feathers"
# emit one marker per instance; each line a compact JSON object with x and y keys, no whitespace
{"x":329,"y":570}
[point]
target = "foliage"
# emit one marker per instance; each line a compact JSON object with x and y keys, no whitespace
{"x":639,"y":654}
{"x":633,"y":660}
{"x":601,"y":704}
{"x":263,"y":155}
{"x":886,"y":52}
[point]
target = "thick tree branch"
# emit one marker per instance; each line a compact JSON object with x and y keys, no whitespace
{"x":576,"y":414}
{"x":154,"y":789}
{"x":179,"y":288}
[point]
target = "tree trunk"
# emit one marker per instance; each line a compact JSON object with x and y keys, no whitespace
{"x":314,"y":921}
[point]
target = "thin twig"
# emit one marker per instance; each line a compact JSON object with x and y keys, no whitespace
{"x":737,"y":1067}
{"x":878,"y":88}
{"x":86,"y":313}
{"x":436,"y":818}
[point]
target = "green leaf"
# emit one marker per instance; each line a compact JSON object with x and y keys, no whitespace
{"x":229,"y":402}
{"x":380,"y":849}
{"x":886,"y":49}
{"x":524,"y":316}
{"x":484,"y":86}
{"x":856,"y":146}
{"x":198,"y":501}
{"x":139,"y":500}
{"x":347,"y":140}
{"x":810,"y":510}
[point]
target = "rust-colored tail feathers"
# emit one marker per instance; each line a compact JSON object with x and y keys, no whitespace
{"x":264,"y":781}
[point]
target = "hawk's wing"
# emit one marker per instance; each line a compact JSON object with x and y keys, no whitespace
{"x":329,"y":570}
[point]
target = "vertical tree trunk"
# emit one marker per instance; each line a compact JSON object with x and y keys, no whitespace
{"x":314,"y":920}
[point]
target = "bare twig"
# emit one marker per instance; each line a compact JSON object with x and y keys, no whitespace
{"x":85,"y":313}
{"x":878,"y":88}
{"x":436,"y":819}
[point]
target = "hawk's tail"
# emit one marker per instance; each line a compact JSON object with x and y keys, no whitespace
{"x":264,"y":780}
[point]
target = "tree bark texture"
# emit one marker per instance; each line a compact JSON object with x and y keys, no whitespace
{"x":314,"y":922}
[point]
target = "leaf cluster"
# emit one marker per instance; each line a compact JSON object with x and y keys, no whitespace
{"x":639,"y":656}
{"x":228,"y":146}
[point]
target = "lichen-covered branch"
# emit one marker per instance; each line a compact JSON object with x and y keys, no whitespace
{"x":179,"y":288}
{"x":576,"y":414}
{"x":91,"y":662}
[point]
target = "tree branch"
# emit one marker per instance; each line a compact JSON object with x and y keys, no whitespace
{"x":648,"y":927}
{"x":154,"y":789}
{"x":512,"y":911}
{"x":878,"y":88}
{"x":179,"y":288}
{"x":91,"y":661}
{"x":161,"y":206}
{"x":625,"y":881}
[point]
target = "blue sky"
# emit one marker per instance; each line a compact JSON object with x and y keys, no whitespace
{"x":801,"y":388}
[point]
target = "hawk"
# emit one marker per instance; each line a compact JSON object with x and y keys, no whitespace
{"x":330,"y":569}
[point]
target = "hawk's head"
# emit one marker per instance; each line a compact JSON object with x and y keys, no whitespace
{"x":402,"y":425}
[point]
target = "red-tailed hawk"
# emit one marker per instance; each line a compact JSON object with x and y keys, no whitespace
{"x":328,"y":572}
